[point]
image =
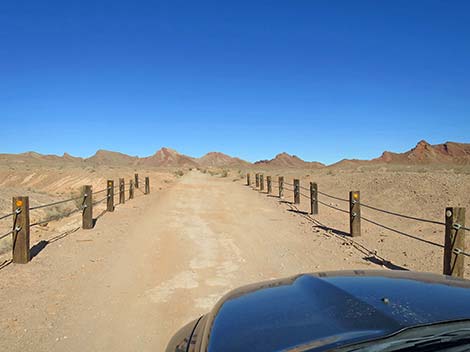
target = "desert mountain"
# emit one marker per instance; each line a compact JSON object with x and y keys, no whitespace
{"x":106,"y":157}
{"x":422,"y":154}
{"x":425,"y":153}
{"x":449,"y":153}
{"x":285,"y":160}
{"x":216,"y":159}
{"x":167,"y":157}
{"x":71,"y":158}
{"x":38,"y":159}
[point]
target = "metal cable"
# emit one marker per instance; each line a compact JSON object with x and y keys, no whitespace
{"x":332,"y":207}
{"x":458,"y":251}
{"x":333,"y":197}
{"x":5,"y":235}
{"x":357,"y":245}
{"x":101,"y":191}
{"x":289,"y":184}
{"x":402,"y":215}
{"x":99,"y":201}
{"x":55,"y":203}
{"x":6,"y":216}
{"x":402,"y":233}
{"x":57,"y":217}
{"x":460,"y":227}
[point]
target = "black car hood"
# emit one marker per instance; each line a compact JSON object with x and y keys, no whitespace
{"x":327,"y":310}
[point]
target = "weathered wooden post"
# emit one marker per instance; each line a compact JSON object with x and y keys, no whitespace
{"x":110,"y":195}
{"x":261,"y":182}
{"x":147,"y":185}
{"x":87,"y":212}
{"x":21,"y":250}
{"x":454,"y":242}
{"x":268,"y":184}
{"x":281,"y":187}
{"x":257,"y":180}
{"x":247,"y":179}
{"x":122,"y":190}
{"x":296,"y":191}
{"x":313,"y":198}
{"x":136,"y":179}
{"x":131,"y":189}
{"x":354,"y":213}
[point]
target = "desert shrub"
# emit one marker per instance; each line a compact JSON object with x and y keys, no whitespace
{"x":179,"y":173}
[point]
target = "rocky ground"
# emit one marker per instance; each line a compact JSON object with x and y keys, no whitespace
{"x":163,"y":259}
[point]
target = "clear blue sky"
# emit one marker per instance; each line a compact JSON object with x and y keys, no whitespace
{"x":324,"y":80}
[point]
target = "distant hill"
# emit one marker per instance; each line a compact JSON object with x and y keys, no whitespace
{"x":34,"y":158}
{"x":284,"y":160}
{"x":216,"y":159}
{"x":106,"y":157}
{"x":425,"y":153}
{"x":167,"y":157}
{"x":449,"y":153}
{"x":422,"y":154}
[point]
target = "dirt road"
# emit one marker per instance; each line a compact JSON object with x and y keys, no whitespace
{"x":156,"y":263}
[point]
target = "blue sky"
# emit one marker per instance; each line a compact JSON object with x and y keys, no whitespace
{"x":324,"y":80}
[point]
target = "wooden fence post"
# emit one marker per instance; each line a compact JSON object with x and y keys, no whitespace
{"x":257,"y":180}
{"x":136,"y":179}
{"x":281,"y":187}
{"x":268,"y":184}
{"x":354,"y":213}
{"x":454,"y":242}
{"x":296,"y":191}
{"x":147,"y":185}
{"x":247,"y":179}
{"x":261,"y":182}
{"x":87,"y":213}
{"x":313,"y":198}
{"x":21,"y":250}
{"x":131,"y":189}
{"x":122,"y":190}
{"x":110,"y":195}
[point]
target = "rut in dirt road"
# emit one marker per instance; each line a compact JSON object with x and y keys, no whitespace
{"x":161,"y":262}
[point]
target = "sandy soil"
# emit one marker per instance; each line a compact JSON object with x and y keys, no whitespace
{"x":162,"y":260}
{"x":414,"y":191}
{"x":46,"y":184}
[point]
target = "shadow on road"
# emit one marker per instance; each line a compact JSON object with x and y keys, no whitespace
{"x":369,"y":256}
{"x":298,"y":211}
{"x":385,"y":263}
{"x":38,"y":247}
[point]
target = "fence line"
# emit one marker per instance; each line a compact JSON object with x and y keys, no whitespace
{"x":6,"y":216}
{"x":55,"y":203}
{"x":21,"y":221}
{"x":402,"y":215}
{"x":454,"y":247}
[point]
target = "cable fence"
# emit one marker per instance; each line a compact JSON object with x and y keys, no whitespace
{"x":56,"y":203}
{"x":333,"y":197}
{"x":454,"y":247}
{"x":6,"y":216}
{"x":21,"y":217}
{"x":402,"y":215}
